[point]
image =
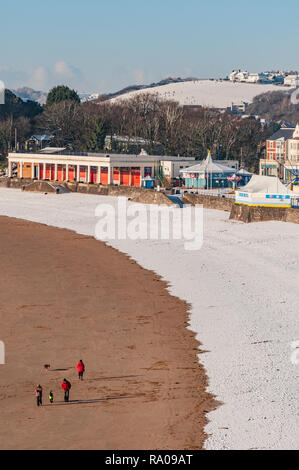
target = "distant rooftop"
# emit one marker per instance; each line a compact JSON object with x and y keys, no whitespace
{"x":41,"y":137}
{"x":52,"y":150}
{"x":283,"y":133}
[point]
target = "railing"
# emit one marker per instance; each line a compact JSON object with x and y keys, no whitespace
{"x":295,"y":202}
{"x":65,"y":152}
{"x":221,"y":192}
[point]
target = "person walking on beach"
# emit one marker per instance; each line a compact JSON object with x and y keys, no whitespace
{"x":66,"y":386}
{"x":39,"y":395}
{"x":80,"y":369}
{"x":51,"y":396}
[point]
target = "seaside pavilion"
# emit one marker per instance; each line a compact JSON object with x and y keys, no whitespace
{"x":55,"y":164}
{"x":207,"y":175}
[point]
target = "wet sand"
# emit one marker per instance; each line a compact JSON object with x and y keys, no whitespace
{"x":66,"y":297}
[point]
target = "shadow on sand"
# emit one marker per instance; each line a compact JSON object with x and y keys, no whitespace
{"x":114,"y":378}
{"x":86,"y":402}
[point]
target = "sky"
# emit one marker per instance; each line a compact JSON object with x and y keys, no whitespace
{"x":104,"y":45}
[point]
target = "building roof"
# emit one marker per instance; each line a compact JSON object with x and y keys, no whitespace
{"x":42,"y":137}
{"x":265,"y":184}
{"x":208,"y":166}
{"x":61,"y":154}
{"x":283,"y":133}
{"x":52,"y":150}
{"x":142,"y":156}
{"x":130,"y":140}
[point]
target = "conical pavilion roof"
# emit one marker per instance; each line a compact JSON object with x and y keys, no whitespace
{"x":208,"y":166}
{"x":296,"y":132}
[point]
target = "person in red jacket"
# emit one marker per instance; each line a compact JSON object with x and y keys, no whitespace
{"x":80,"y":369}
{"x":66,"y":386}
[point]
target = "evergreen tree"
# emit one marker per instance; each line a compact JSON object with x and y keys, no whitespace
{"x":97,"y":137}
{"x":61,"y":93}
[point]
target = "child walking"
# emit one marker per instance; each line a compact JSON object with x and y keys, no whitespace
{"x":51,"y":396}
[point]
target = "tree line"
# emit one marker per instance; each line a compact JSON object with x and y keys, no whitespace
{"x":178,"y":130}
{"x":276,"y":106}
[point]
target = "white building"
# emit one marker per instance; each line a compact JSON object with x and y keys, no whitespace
{"x":291,"y":80}
{"x":253,"y":77}
{"x":261,"y":77}
{"x":238,"y":76}
{"x":97,"y":168}
{"x":266,"y":191}
{"x":292,"y":161}
{"x":258,"y":78}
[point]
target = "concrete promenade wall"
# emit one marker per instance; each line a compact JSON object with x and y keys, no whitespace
{"x":209,"y":202}
{"x":39,"y":186}
{"x":244,"y":213}
{"x":14,"y":182}
{"x":135,"y":194}
{"x":292,"y":216}
{"x":239,"y":212}
{"x":249,"y":214}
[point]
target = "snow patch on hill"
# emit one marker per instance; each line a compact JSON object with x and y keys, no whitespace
{"x":210,"y":93}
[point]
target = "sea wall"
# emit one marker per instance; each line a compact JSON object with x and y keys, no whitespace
{"x":292,"y":215}
{"x":209,"y":202}
{"x":256,"y":214}
{"x":249,"y":214}
{"x":242,"y":212}
{"x":14,"y":182}
{"x":135,"y":194}
{"x":39,"y":186}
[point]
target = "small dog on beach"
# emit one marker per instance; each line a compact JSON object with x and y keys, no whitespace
{"x":47,"y":366}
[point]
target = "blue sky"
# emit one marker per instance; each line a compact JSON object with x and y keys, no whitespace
{"x":104,"y":45}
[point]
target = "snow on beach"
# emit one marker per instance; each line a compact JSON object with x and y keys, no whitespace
{"x":243,"y":290}
{"x":209,"y":93}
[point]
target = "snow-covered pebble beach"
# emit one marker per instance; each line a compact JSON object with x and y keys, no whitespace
{"x":243,"y":289}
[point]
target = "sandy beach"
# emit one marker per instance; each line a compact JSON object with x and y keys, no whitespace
{"x":65,"y":297}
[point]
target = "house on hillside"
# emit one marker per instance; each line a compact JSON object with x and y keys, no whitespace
{"x":126,"y":144}
{"x":282,"y":154}
{"x":238,"y":108}
{"x":37,"y":142}
{"x":291,"y":80}
{"x":238,"y":76}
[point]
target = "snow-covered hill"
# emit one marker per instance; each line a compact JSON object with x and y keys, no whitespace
{"x":27,"y":93}
{"x":212,"y":93}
